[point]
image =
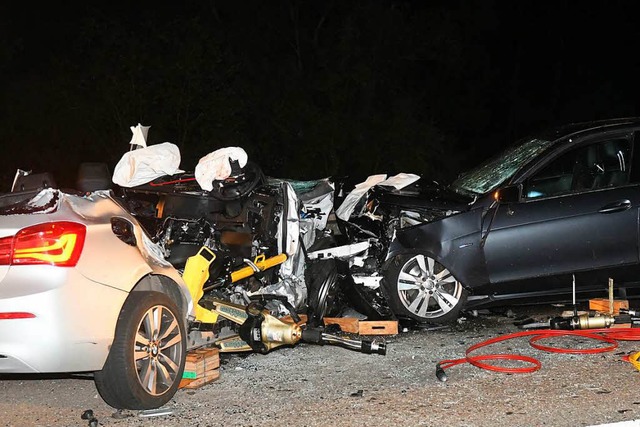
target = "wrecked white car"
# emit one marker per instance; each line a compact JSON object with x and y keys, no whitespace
{"x":247,"y":216}
{"x":82,"y":288}
{"x":228,"y":206}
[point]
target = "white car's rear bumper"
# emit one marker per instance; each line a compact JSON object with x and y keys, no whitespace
{"x":74,"y":323}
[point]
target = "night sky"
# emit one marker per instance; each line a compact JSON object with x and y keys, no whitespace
{"x":308,"y":88}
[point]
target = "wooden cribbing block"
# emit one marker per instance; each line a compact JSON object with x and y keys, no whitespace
{"x":199,"y":361}
{"x":601,"y":305}
{"x":209,"y":376}
{"x":378,"y":327}
{"x":347,"y":324}
{"x":201,"y":367}
{"x":354,"y":326}
{"x":364,"y":327}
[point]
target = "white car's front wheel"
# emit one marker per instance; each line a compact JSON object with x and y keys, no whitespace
{"x":146,"y":361}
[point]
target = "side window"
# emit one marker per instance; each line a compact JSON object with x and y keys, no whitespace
{"x":590,"y":167}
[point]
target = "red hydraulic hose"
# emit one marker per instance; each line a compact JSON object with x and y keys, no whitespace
{"x":608,"y":336}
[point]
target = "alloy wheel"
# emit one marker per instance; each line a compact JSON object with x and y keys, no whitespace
{"x":426,"y":288}
{"x":158,"y":350}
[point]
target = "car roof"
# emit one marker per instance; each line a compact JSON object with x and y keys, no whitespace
{"x":570,"y":129}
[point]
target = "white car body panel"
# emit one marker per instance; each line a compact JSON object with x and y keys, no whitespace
{"x":76,"y":308}
{"x":74,"y":321}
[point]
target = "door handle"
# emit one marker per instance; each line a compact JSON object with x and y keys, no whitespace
{"x":618,"y":206}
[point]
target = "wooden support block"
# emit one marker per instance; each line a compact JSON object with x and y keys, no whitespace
{"x":601,"y":305}
{"x":210,"y":376}
{"x":201,"y":360}
{"x":378,"y":327}
{"x":203,"y":354}
{"x":196,"y":370}
{"x":347,"y":324}
{"x":354,"y":326}
{"x":185,"y":382}
{"x":201,"y":367}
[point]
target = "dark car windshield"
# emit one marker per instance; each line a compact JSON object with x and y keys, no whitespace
{"x":498,"y":169}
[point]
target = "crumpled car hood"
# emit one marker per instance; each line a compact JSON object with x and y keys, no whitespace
{"x":429,"y":197}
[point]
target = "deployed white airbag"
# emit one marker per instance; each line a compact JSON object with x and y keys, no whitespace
{"x":141,"y":166}
{"x":349,"y":204}
{"x":217,"y":165}
{"x":398,"y":181}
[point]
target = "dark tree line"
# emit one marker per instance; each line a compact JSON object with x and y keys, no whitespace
{"x":307,"y":88}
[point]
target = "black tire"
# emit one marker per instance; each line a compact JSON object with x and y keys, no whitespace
{"x":321,"y":276}
{"x":422,"y":289}
{"x":120,"y":383}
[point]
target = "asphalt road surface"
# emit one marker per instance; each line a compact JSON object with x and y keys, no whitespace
{"x":330,"y":386}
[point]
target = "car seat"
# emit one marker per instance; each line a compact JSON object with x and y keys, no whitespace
{"x":614,"y":170}
{"x":93,"y":177}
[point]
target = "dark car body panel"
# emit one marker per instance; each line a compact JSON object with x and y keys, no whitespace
{"x":562,"y":235}
{"x":454,"y":241}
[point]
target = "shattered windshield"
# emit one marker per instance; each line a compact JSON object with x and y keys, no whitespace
{"x":497,"y":170}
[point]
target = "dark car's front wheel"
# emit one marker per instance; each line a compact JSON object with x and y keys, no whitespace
{"x":422,"y":289}
{"x":146,"y":361}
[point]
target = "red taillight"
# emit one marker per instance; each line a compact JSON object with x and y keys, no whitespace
{"x":16,"y":315}
{"x":6,"y":243}
{"x":53,"y":243}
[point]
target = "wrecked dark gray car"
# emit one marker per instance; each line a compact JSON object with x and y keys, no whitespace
{"x":555,"y":209}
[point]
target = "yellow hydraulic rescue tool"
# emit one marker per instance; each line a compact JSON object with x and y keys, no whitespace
{"x":258,"y":330}
{"x":196,"y":274}
{"x":261,"y":262}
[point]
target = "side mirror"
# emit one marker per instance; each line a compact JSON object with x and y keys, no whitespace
{"x":508,"y":194}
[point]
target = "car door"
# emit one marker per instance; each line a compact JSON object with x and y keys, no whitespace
{"x":577,"y":212}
